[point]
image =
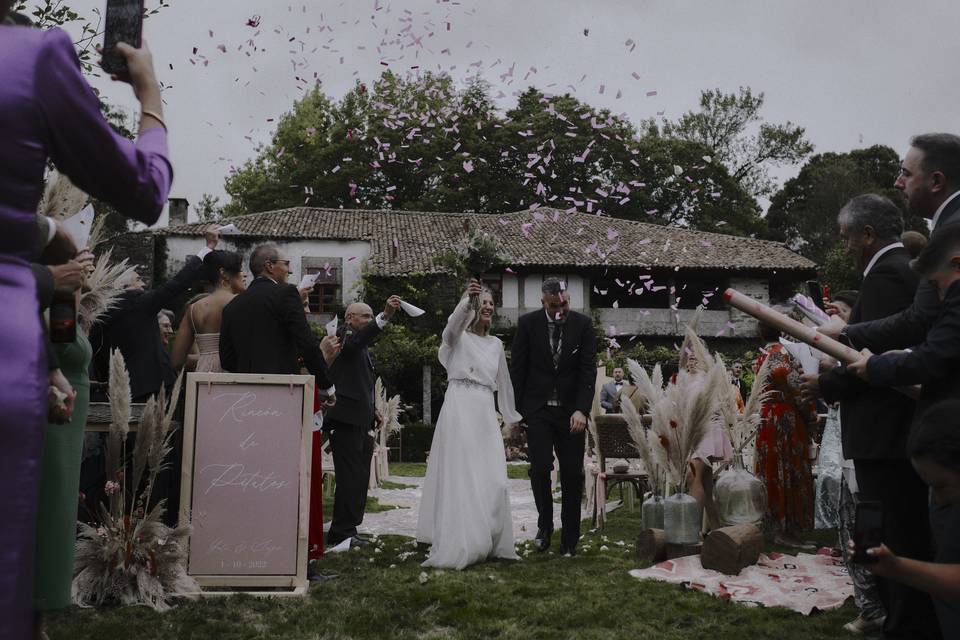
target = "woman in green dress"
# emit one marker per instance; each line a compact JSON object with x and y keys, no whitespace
{"x":59,"y":485}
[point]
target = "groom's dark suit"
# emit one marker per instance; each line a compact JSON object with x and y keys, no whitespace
{"x":547,"y":395}
{"x":349,"y":422}
{"x":264,"y":330}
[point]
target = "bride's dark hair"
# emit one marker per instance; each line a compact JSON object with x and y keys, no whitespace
{"x":229,"y":261}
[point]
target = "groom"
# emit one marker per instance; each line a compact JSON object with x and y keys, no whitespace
{"x":553,"y":367}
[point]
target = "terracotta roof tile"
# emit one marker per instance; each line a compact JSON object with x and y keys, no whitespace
{"x":543,"y":238}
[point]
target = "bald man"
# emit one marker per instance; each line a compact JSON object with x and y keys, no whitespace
{"x":350,"y":421}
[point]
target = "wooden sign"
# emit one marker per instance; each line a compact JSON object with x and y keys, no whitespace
{"x":246,"y":479}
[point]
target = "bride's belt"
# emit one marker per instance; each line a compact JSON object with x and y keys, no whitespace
{"x":467,"y":382}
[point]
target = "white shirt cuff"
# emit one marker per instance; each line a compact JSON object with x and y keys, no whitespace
{"x":203,"y":252}
{"x":332,"y":390}
{"x":51,"y":231}
{"x":381,"y":320}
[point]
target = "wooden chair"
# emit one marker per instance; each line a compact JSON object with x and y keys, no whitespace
{"x":613,"y":442}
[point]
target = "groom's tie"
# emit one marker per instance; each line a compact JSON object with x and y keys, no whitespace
{"x":557,"y":336}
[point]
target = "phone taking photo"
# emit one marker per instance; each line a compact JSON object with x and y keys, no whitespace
{"x":815,"y":291}
{"x":123,"y":23}
{"x":867,"y":530}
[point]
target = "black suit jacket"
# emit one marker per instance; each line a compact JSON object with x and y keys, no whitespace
{"x":910,"y":326}
{"x":531,"y":364}
{"x":875,"y":422}
{"x":935,"y":363}
{"x":352,"y":373}
{"x":264,"y":330}
{"x":132,"y":327}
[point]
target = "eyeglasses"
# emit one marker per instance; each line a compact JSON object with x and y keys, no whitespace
{"x":286,"y":262}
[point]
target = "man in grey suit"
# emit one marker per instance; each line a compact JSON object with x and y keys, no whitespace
{"x":609,"y":391}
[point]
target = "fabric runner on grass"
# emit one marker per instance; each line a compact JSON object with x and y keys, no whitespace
{"x":805,"y":582}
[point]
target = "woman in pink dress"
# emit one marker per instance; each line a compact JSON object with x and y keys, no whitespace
{"x":201,"y":318}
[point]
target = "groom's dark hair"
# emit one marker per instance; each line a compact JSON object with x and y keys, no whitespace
{"x":553,"y":287}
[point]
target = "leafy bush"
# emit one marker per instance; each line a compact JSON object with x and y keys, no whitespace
{"x":411,"y":443}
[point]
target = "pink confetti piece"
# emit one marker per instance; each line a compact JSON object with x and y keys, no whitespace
{"x":525,"y":228}
{"x":468,"y":166}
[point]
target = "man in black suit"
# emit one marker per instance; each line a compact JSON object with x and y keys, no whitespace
{"x":132,"y":327}
{"x":351,"y":420}
{"x":874,"y":421}
{"x":264,"y":329}
{"x":930,"y":179}
{"x":553,"y":368}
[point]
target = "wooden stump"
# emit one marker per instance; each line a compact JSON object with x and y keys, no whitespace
{"x":652,"y":545}
{"x":675,"y":551}
{"x":730,"y":549}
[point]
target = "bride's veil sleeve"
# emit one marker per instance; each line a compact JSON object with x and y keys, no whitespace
{"x":505,"y":400}
{"x":457,"y":323}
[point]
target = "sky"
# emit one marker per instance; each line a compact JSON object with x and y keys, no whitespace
{"x":854,"y":73}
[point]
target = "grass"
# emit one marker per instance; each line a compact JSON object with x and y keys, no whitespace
{"x":419,"y":469}
{"x":378,"y":594}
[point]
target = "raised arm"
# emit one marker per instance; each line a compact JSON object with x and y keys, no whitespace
{"x":901,"y":330}
{"x":505,"y":399}
{"x":936,"y":358}
{"x":134,"y":177}
{"x":458,"y":322}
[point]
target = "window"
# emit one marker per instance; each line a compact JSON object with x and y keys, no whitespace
{"x":325,"y":299}
{"x":326,"y":294}
{"x":629,"y":290}
{"x":691,"y":292}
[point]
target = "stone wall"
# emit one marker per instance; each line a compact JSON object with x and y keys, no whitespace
{"x":142,"y":249}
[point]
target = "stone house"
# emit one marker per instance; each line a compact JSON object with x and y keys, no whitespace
{"x":635,"y":278}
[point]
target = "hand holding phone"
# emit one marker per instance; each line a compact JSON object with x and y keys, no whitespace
{"x":867,"y":530}
{"x":124,"y":23}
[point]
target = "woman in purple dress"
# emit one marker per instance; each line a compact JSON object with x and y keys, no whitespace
{"x":48,"y":112}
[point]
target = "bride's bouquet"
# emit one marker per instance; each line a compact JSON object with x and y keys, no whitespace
{"x":474,"y":254}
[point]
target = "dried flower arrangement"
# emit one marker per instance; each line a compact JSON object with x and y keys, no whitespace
{"x":132,"y":557}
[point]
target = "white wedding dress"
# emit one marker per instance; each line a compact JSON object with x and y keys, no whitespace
{"x":465,"y":507}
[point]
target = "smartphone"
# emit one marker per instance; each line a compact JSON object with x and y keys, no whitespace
{"x":867,"y":530}
{"x":815,"y":291}
{"x":63,"y":318}
{"x":123,"y":23}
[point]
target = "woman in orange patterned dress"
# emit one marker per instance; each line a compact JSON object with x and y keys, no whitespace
{"x":782,"y":450}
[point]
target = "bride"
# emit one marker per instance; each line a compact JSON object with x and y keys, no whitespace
{"x":465,"y":509}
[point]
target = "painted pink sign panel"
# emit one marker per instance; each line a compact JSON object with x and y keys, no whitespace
{"x":245,"y":497}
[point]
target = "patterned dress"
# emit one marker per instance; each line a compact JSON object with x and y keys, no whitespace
{"x":782,"y":457}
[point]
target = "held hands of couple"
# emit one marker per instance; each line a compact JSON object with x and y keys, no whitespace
{"x":578,"y":422}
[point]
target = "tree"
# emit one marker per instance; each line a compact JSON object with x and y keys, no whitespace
{"x":209,"y":208}
{"x":422,"y":144}
{"x":731,"y":126}
{"x":803,"y":214}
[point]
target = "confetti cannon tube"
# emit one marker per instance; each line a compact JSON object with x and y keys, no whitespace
{"x":800,"y":331}
{"x":791,"y":327}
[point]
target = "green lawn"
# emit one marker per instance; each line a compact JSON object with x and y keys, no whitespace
{"x":377,"y":594}
{"x":419,"y":469}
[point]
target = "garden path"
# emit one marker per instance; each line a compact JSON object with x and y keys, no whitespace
{"x":403,"y":521}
